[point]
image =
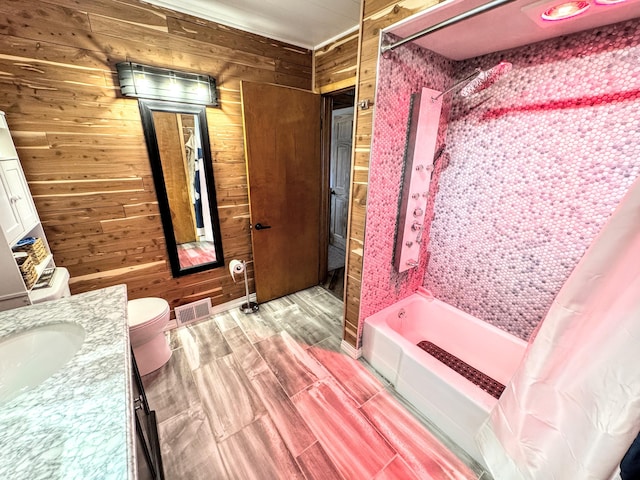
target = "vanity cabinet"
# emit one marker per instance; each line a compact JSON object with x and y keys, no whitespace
{"x":19,"y":219}
{"x":149,"y":458}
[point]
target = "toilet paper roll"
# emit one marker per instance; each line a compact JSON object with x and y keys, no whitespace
{"x":236,"y":267}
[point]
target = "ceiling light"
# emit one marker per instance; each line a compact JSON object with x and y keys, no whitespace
{"x":565,"y":10}
{"x":609,"y":2}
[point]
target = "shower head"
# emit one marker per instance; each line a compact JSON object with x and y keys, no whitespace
{"x":485,"y":79}
{"x":478,"y":80}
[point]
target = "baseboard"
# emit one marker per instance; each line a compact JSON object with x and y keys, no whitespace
{"x":223,"y":307}
{"x":350,"y":350}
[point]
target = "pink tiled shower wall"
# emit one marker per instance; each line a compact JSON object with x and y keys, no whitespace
{"x":401,"y":73}
{"x":536,"y":165}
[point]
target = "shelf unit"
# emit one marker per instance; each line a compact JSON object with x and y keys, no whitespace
{"x":19,"y":219}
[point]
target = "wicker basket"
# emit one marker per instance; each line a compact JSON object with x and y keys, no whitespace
{"x":27,"y":269}
{"x":32,"y":246}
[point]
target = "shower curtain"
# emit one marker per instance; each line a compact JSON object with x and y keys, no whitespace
{"x":572,"y":408}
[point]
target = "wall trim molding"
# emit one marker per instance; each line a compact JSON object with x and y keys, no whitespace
{"x":335,"y":86}
{"x":350,"y":350}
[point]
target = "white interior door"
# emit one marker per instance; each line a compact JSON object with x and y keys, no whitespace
{"x":340,"y":172}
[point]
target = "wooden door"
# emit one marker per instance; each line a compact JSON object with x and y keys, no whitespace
{"x":340,"y":174}
{"x":282,"y":145}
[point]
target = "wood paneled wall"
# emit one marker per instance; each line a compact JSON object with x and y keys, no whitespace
{"x":377,"y":14}
{"x":335,"y":64}
{"x":82,"y":145}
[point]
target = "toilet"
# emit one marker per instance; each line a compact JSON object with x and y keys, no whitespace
{"x":147,"y":319}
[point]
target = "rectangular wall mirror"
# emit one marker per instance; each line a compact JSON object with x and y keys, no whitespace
{"x":178,"y":143}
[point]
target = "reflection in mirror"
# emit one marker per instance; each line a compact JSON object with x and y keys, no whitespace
{"x":178,"y":144}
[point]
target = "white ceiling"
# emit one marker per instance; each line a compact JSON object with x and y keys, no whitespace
{"x":311,"y":23}
{"x":512,"y":25}
{"x":306,"y":23}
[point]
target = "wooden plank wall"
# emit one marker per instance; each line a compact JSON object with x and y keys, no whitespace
{"x":335,"y":64}
{"x":377,"y":15}
{"x":82,"y":145}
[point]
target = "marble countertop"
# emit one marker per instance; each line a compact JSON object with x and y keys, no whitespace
{"x":78,"y":424}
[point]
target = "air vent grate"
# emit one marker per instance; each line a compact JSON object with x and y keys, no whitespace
{"x":193,"y":311}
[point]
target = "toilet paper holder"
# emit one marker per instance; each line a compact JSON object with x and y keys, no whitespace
{"x":237,"y":267}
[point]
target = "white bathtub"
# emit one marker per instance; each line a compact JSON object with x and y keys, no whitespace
{"x":451,"y":402}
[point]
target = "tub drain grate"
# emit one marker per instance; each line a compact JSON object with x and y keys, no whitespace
{"x":486,"y":383}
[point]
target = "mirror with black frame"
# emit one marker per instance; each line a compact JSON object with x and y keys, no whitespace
{"x":178,"y":144}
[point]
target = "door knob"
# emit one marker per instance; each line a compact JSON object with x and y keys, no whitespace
{"x":259,"y":226}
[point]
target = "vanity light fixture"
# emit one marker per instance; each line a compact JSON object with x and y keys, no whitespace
{"x":144,"y":81}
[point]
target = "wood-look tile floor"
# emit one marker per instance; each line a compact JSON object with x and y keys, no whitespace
{"x":270,"y":396}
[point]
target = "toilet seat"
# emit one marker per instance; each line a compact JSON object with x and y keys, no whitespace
{"x":145,"y":311}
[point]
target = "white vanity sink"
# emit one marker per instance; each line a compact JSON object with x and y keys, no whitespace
{"x":30,"y":357}
{"x":72,"y":358}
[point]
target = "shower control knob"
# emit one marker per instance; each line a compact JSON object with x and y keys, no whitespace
{"x":415,"y":196}
{"x":409,"y":244}
{"x":418,"y":212}
{"x":419,"y":168}
{"x":425,"y":194}
{"x":416,"y":226}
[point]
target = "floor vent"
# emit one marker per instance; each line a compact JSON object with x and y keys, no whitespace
{"x":193,"y":311}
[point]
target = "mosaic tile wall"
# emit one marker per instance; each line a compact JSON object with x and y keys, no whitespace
{"x":401,"y":73}
{"x":537,"y":163}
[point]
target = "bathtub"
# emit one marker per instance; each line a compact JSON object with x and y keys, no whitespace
{"x":452,"y":403}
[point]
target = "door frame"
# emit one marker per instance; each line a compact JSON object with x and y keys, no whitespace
{"x":325,"y":208}
{"x":326,"y":108}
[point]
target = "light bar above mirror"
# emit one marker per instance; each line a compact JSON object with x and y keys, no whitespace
{"x":144,"y":81}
